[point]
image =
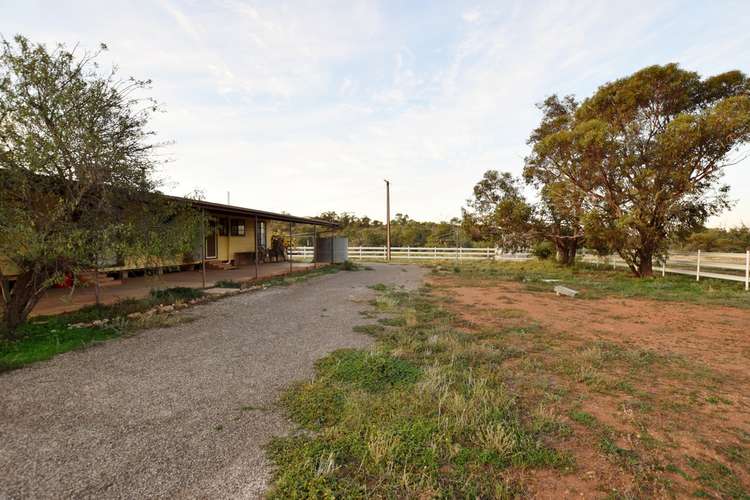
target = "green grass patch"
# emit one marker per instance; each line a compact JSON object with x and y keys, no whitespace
{"x":425,"y":414}
{"x":44,"y":337}
{"x":228,"y":284}
{"x":373,"y":372}
{"x":717,"y":478}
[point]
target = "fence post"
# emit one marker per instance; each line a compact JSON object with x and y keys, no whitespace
{"x":698,"y":267}
{"x":612,"y":258}
{"x":747,"y":270}
{"x":360,"y":252}
{"x":434,"y":253}
{"x":663,"y":266}
{"x":460,"y":253}
{"x":408,"y":252}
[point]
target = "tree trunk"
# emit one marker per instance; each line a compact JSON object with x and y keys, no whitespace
{"x":21,"y":300}
{"x":566,"y":251}
{"x":645,"y":264}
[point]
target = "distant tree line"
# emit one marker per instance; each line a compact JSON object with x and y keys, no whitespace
{"x":364,"y":231}
{"x":736,"y":239}
{"x":631,"y":170}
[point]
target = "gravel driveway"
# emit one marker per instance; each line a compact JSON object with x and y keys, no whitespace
{"x":182,"y":411}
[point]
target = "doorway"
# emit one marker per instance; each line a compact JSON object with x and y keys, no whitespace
{"x":211,"y":243}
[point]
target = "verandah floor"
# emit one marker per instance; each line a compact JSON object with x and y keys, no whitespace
{"x":60,"y":300}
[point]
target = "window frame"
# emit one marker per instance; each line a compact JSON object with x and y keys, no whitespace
{"x":235,"y":225}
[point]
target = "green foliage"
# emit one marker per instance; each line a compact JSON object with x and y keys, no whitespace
{"x":543,"y":250}
{"x":175,"y":294}
{"x":647,"y":151}
{"x":363,"y":231}
{"x":499,"y":213}
{"x":228,"y":284}
{"x":736,"y":239}
{"x":348,"y":265}
{"x":76,"y":174}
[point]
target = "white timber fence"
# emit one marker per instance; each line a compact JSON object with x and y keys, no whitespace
{"x":722,"y":266}
{"x":420,"y":253}
{"x":717,"y":265}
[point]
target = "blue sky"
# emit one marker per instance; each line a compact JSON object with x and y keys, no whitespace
{"x":308,"y":106}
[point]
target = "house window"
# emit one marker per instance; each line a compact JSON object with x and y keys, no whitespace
{"x":262,"y":234}
{"x":238,"y":227}
{"x":223,"y":226}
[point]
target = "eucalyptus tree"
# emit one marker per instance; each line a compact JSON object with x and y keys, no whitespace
{"x":647,"y":153}
{"x":562,"y":204}
{"x":499,"y":212}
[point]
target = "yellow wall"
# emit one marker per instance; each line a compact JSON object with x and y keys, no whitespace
{"x":229,"y":245}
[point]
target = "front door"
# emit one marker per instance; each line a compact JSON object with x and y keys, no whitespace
{"x":211,"y":242}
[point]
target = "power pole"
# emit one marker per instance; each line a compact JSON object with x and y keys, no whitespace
{"x":388,"y":220}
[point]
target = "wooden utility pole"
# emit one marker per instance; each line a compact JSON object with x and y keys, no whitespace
{"x":387,"y":220}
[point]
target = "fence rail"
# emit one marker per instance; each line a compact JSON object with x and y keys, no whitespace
{"x":722,"y":266}
{"x":717,"y":265}
{"x":423,"y":253}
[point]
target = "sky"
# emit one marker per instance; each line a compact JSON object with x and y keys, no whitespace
{"x":307,"y":106}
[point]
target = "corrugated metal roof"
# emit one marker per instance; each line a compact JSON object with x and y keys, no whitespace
{"x":235,"y":210}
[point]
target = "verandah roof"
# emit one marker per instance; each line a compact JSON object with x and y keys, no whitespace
{"x":235,"y":210}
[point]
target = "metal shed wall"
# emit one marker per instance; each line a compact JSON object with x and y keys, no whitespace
{"x":340,"y":249}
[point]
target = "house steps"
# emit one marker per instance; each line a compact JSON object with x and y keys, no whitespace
{"x":220,"y":265}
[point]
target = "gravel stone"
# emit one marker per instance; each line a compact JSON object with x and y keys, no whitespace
{"x":182,"y":411}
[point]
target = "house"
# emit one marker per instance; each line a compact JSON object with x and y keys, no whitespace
{"x":235,"y":237}
{"x":236,"y":233}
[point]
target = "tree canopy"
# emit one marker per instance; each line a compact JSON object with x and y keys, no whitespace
{"x":646,"y":154}
{"x":76,"y":172}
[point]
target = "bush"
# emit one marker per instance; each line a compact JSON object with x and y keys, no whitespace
{"x":169,"y":295}
{"x":348,"y":265}
{"x":228,"y":284}
{"x":543,"y":250}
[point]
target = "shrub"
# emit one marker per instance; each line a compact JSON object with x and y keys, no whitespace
{"x":168,"y":295}
{"x":348,"y":265}
{"x":543,"y":250}
{"x":228,"y":284}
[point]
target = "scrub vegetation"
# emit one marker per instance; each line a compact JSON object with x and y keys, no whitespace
{"x":425,"y":413}
{"x":470,"y":392}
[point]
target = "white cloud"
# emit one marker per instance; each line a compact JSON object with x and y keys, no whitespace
{"x":471,"y":16}
{"x":306,"y":106}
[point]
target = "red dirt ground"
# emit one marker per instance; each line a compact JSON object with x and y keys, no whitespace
{"x":708,"y":339}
